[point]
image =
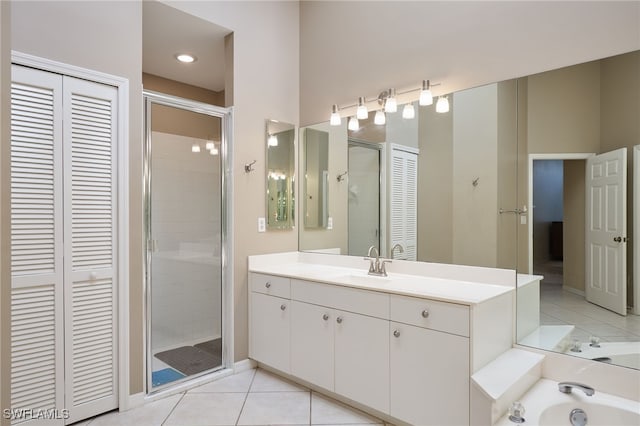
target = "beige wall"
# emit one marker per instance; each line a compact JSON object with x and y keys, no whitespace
{"x":5,"y":211}
{"x":435,"y":182}
{"x":319,"y":238}
{"x":69,"y":32}
{"x":523,"y":177}
{"x":574,"y":224}
{"x":183,"y":90}
{"x":265,"y":85}
{"x":475,"y":156}
{"x":620,"y":126}
{"x":507,"y":174}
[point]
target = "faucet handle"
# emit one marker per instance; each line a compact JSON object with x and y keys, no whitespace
{"x":383,"y":269}
{"x":516,"y":412}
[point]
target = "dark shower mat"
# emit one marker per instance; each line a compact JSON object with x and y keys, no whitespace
{"x":189,"y":360}
{"x":214,"y":347}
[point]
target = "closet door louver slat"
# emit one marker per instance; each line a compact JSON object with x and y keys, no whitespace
{"x":36,"y":242}
{"x":404,"y":203}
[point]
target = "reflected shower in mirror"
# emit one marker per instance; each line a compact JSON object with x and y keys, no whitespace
{"x":280,"y":154}
{"x":316,"y":178}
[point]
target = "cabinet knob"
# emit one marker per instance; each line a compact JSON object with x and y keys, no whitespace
{"x":396,"y":333}
{"x":339,"y":320}
{"x":283,"y":307}
{"x":268,"y":284}
{"x":325,"y":317}
{"x":425,"y":314}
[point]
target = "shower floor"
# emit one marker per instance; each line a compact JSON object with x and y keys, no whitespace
{"x":190,"y":360}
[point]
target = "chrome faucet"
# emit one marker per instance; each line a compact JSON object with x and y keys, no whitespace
{"x":377,"y":266}
{"x":566,"y":387}
{"x":397,"y":246}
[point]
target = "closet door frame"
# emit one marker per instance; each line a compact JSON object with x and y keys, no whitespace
{"x":125,"y":401}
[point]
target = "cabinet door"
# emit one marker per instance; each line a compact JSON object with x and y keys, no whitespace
{"x":362,"y":359}
{"x":312,"y":343}
{"x":270,"y":327}
{"x":429,"y":376}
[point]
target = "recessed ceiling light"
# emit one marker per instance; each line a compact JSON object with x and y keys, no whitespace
{"x":185,"y":58}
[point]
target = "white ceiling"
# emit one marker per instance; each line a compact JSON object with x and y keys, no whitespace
{"x":168,"y":31}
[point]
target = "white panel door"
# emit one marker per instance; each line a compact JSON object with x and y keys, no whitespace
{"x":312,"y":343}
{"x":606,"y":223}
{"x":91,"y":362}
{"x":362,"y":359}
{"x":36,"y":243}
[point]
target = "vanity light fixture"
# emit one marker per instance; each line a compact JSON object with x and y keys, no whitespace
{"x":214,"y":151}
{"x":426,"y":98}
{"x":335,"y":116}
{"x":186,"y":58}
{"x":391,"y":105}
{"x":353,"y":124}
{"x":408,"y":111}
{"x":195,"y":147}
{"x":379,"y":118}
{"x":442,"y":105}
{"x":272,"y":140}
{"x":209,"y":145}
{"x":362,"y":113}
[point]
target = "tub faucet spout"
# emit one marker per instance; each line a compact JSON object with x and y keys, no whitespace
{"x":566,"y":387}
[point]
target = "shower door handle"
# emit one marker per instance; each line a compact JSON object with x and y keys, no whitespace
{"x":152,"y":246}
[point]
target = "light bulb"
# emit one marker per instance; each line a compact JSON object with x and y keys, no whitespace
{"x":335,"y":116}
{"x":391,"y":105}
{"x":353,"y":124}
{"x":362,"y":113}
{"x":442,"y":105}
{"x":209,"y":145}
{"x":213,"y":151}
{"x":380,"y":118}
{"x":408,"y":111}
{"x":186,"y":58}
{"x":426,"y":98}
{"x":272,"y":141}
{"x":195,"y":147}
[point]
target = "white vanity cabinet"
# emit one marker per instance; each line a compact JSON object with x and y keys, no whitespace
{"x":429,"y":365}
{"x":270,"y":334}
{"x":407,"y":356}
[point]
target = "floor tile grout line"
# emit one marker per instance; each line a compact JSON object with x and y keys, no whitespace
{"x":246,"y":395}
{"x":174,"y":408}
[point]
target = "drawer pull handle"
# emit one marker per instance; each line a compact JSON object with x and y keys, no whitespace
{"x":325,"y":317}
{"x":268,"y":284}
{"x":339,"y":320}
{"x":425,"y":314}
{"x":396,"y":333}
{"x":283,"y":307}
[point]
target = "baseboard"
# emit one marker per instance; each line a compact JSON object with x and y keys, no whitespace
{"x":244,"y":365}
{"x":573,"y":290}
{"x":133,"y":401}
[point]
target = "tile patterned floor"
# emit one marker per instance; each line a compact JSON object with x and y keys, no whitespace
{"x":254,"y":397}
{"x":558,"y":307}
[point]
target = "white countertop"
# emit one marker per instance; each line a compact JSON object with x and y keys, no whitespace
{"x":448,"y":290}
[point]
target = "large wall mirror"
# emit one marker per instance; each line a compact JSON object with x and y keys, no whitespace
{"x":502,"y":182}
{"x":280,"y":153}
{"x":315,"y":163}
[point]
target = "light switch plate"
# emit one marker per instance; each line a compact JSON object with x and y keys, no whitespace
{"x":262,"y":224}
{"x":330,"y":223}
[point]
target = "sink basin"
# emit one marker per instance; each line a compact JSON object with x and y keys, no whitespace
{"x":597,"y":415}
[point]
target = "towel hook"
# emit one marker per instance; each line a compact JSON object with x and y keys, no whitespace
{"x":248,"y":168}
{"x":341,"y":176}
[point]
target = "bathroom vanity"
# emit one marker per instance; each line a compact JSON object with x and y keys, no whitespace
{"x":404,"y":345}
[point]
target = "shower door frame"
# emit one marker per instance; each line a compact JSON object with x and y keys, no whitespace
{"x":226,"y":161}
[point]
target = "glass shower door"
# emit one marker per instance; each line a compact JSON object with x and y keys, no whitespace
{"x":184,"y":246}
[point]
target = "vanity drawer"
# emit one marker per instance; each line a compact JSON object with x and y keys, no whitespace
{"x":270,"y":284}
{"x":341,"y":298}
{"x":441,"y":316}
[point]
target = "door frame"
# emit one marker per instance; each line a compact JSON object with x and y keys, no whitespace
{"x":635,"y":217}
{"x":226,"y":166}
{"x":122,"y":86}
{"x":549,"y":156}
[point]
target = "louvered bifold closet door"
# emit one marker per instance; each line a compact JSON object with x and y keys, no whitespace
{"x":404,"y":202}
{"x":90,"y":242}
{"x":36,"y":246}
